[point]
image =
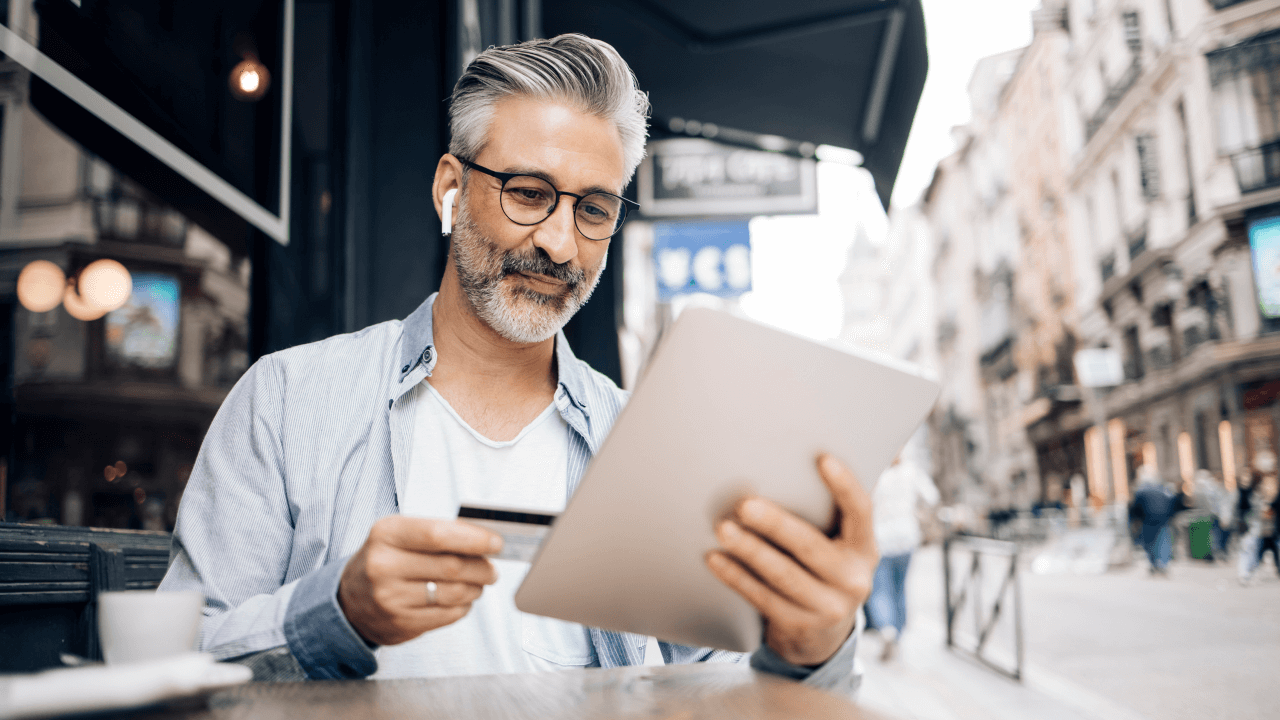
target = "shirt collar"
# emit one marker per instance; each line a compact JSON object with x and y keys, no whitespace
{"x":417,"y":349}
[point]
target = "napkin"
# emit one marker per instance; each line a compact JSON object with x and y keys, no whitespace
{"x":113,"y":687}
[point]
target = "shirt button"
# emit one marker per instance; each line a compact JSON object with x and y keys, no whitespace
{"x":426,"y":356}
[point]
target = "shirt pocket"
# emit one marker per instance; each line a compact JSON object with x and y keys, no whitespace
{"x":557,"y":642}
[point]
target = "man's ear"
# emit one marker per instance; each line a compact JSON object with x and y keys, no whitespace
{"x":444,"y":190}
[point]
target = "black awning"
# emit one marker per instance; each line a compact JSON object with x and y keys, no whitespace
{"x":835,"y":72}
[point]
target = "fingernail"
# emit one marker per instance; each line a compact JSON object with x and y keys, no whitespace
{"x":829,"y":465}
{"x":495,"y":544}
{"x":715,"y":560}
{"x":752,"y":509}
{"x":729,"y":530}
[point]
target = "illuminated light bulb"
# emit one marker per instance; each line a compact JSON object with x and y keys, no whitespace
{"x":106,"y":284}
{"x":78,"y":308}
{"x":40,"y":286}
{"x":249,"y":79}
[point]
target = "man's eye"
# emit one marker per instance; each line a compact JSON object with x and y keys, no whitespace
{"x":594,"y":213}
{"x":528,"y":196}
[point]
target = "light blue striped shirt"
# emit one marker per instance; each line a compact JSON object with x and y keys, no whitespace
{"x":309,"y":449}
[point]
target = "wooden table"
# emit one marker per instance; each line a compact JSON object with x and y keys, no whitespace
{"x":677,"y":692}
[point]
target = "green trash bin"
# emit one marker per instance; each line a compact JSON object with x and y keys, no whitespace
{"x":1200,"y":535}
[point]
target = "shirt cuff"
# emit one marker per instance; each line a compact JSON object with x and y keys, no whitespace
{"x":319,"y":635}
{"x":836,"y":674}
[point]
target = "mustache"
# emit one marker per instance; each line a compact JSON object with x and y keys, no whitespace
{"x":539,"y":263}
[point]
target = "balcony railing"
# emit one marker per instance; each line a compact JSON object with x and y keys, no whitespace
{"x":1115,"y":94}
{"x":1258,"y":168}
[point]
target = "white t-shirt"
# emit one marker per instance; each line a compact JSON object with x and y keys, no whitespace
{"x":451,"y":464}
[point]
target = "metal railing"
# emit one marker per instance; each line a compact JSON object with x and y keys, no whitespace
{"x":1258,"y":168}
{"x":1115,"y":94}
{"x":969,"y":588}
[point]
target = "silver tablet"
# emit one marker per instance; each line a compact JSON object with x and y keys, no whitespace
{"x":727,"y":407}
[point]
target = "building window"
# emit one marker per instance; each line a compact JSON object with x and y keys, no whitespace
{"x":1108,"y":266}
{"x":1133,"y":365}
{"x":1133,"y":32}
{"x":1246,"y":89}
{"x":1186,"y":157}
{"x":1149,"y":166}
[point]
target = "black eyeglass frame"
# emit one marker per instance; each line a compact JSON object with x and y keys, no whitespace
{"x":507,"y":177}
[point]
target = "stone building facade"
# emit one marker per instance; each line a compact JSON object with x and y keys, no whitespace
{"x":1140,"y":143}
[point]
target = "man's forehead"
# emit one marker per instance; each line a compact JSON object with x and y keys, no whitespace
{"x":558,"y":142}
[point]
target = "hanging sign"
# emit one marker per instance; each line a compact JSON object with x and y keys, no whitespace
{"x":691,"y":178}
{"x":705,"y":257}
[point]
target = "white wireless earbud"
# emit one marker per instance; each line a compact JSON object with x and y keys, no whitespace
{"x":446,"y":218}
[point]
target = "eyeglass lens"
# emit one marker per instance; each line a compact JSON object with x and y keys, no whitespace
{"x":528,"y":200}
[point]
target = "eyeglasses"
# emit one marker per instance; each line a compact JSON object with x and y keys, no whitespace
{"x":528,"y":200}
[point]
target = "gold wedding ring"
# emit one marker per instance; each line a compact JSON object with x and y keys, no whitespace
{"x":432,"y":589}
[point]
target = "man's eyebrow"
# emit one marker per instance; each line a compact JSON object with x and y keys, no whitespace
{"x":542,"y":175}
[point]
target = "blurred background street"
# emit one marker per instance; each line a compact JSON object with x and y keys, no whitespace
{"x":1117,"y":646}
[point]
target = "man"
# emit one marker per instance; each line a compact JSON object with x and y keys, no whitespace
{"x":320,"y":519}
{"x":898,"y":493}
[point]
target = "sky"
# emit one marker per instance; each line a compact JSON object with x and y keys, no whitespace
{"x":960,"y":32}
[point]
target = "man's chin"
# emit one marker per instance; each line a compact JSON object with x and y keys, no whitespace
{"x":526,"y":315}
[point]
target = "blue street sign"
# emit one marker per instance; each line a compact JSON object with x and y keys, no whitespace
{"x":706,"y":257}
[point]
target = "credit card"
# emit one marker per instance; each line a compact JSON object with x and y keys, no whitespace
{"x":522,"y":531}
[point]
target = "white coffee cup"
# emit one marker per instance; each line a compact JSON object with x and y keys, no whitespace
{"x":136,"y":625}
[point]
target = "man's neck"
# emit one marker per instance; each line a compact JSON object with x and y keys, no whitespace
{"x":473,"y":355}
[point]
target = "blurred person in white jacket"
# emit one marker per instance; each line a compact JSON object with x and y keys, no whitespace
{"x":894,"y":502}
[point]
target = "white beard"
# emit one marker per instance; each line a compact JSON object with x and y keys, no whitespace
{"x":519,"y":314}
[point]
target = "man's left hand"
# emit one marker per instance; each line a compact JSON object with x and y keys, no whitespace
{"x":808,"y":587}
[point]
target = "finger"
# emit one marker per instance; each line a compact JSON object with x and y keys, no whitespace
{"x":420,"y":567}
{"x":768,"y":603}
{"x":437,"y":536}
{"x":851,"y":498}
{"x":448,"y":594}
{"x":793,"y":535}
{"x":782,"y":573}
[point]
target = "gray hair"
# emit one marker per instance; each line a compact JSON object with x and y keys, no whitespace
{"x":586,"y":74}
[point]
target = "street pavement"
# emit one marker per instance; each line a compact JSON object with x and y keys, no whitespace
{"x":1117,"y":646}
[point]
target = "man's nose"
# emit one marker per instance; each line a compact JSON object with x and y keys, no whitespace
{"x":558,"y":235}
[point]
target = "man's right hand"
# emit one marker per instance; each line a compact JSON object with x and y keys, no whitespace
{"x":383,"y":590}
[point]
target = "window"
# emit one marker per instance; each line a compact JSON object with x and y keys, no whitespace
{"x":1246,"y":97}
{"x":1133,"y":367}
{"x":1133,"y":32}
{"x":1186,"y":157}
{"x":1149,"y":167}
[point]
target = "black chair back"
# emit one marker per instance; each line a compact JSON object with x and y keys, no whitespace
{"x":50,"y":577}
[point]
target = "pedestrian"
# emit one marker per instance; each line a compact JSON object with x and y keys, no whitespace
{"x":895,"y":500}
{"x":1156,"y":503}
{"x":1270,"y":535}
{"x":1258,"y":506}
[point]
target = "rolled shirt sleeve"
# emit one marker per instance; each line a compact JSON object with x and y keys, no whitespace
{"x":233,"y":540}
